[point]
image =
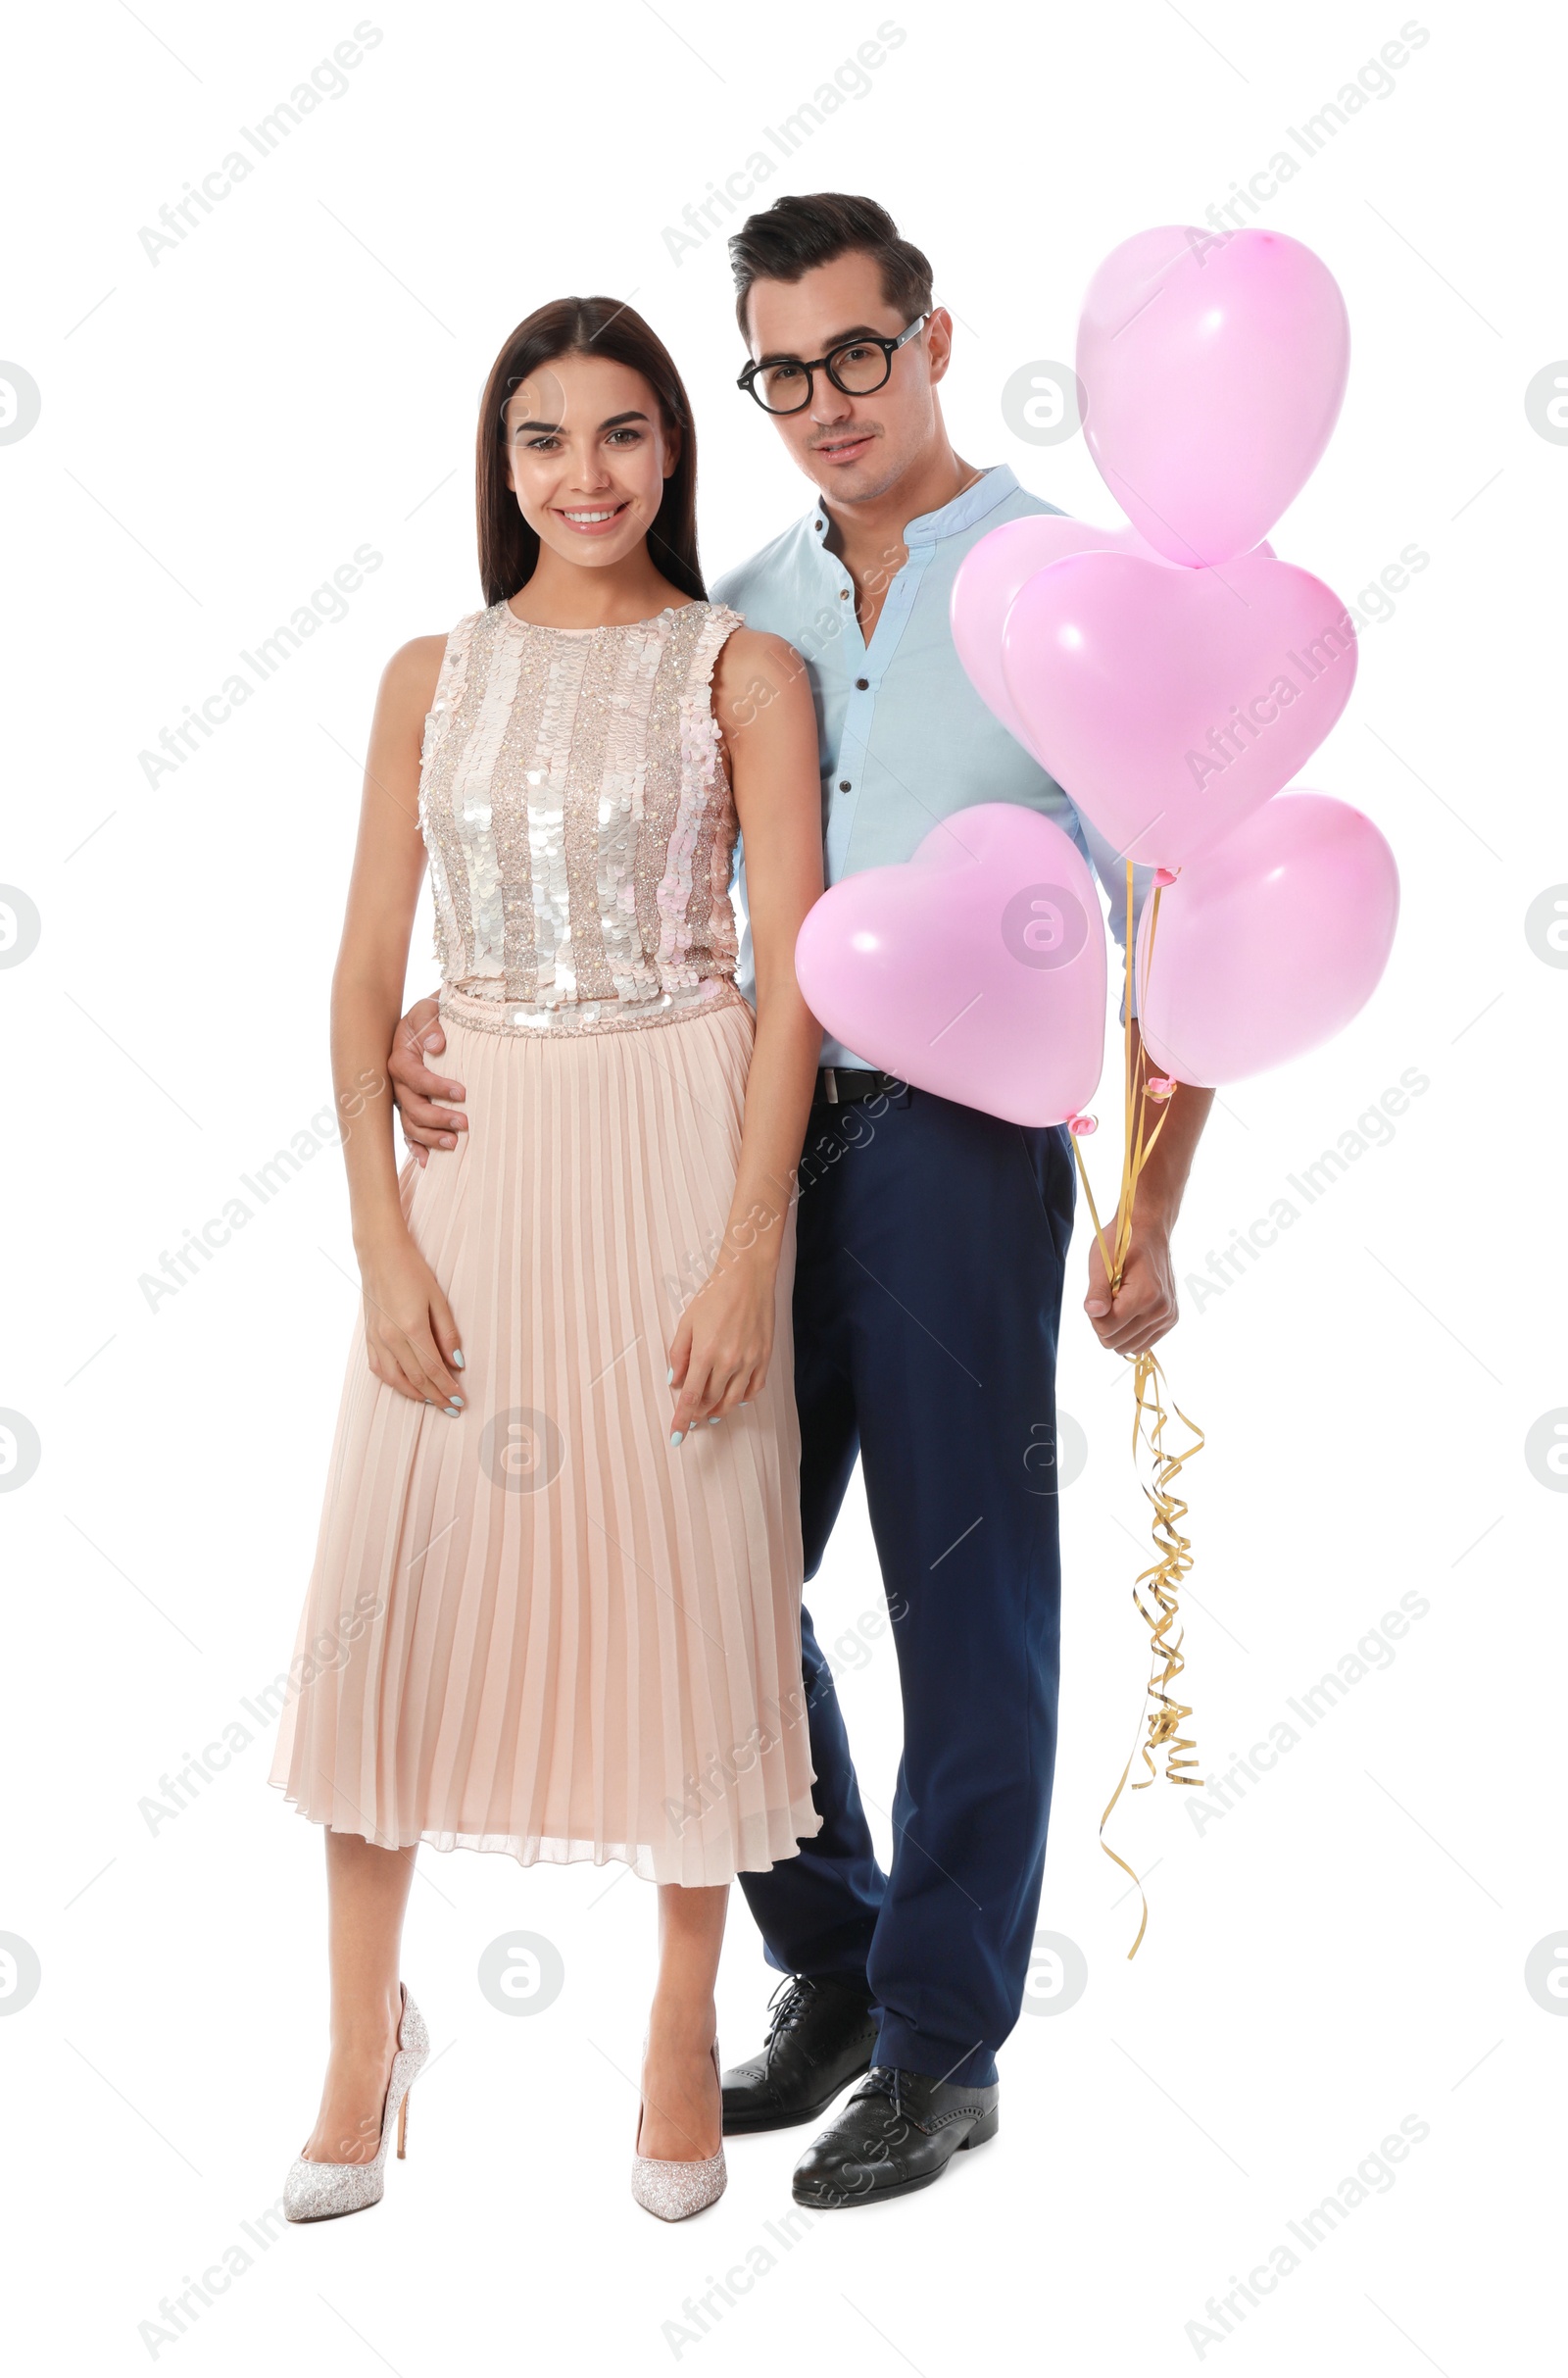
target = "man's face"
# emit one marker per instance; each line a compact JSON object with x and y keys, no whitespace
{"x":854,"y":448}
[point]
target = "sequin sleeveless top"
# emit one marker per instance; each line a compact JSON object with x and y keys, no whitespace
{"x":579,"y":823}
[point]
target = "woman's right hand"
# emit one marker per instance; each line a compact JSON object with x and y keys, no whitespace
{"x":409,"y":1335}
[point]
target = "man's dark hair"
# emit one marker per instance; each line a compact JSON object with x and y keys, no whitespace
{"x":794,"y":235}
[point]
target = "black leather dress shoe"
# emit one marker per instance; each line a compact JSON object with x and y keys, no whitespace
{"x":898,"y":2133}
{"x":821,"y":2036}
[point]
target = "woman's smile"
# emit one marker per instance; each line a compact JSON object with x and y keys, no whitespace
{"x":590,"y":519}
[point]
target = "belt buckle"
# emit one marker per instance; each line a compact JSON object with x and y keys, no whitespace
{"x":831,"y":1078}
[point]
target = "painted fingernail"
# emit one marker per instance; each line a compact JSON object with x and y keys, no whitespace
{"x":458,"y":1363}
{"x":457,"y":1400}
{"x":713,"y":1418}
{"x":676,"y":1437}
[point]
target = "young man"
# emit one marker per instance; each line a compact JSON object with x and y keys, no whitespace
{"x":931,"y":1246}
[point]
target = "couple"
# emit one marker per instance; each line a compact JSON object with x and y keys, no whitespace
{"x":669,"y":1261}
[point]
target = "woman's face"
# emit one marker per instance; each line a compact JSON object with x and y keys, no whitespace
{"x":587,"y":457}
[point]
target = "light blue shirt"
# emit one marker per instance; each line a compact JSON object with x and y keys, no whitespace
{"x":904,"y":739}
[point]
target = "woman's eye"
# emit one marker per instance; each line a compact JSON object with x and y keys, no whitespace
{"x":629,"y":435}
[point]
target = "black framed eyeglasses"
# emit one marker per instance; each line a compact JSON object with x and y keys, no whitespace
{"x":857,"y":367}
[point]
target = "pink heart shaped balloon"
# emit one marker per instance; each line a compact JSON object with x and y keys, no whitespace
{"x":977,"y":971}
{"x":990,"y":577}
{"x":1269,"y":943}
{"x":1213,"y":368}
{"x":1168,"y":704}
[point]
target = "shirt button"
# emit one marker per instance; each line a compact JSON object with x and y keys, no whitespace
{"x":861,"y":684}
{"x":843,"y":784}
{"x":844,"y":594}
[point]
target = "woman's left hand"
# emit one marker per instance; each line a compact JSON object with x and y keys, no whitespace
{"x":719,"y":1354}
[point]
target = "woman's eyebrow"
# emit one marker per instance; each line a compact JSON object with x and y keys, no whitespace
{"x":615,"y":422}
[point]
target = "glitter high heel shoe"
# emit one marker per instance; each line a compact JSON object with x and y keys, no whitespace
{"x":320,"y":2192}
{"x":675,"y":2191}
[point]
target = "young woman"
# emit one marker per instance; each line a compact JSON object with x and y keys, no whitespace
{"x":555,"y":1609}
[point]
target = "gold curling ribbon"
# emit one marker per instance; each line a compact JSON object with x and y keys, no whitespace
{"x":1156,"y":1589}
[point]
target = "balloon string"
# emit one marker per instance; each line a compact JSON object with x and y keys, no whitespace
{"x":1156,"y":1589}
{"x":1164,"y":1578}
{"x":1093,"y":1211}
{"x":1160,"y":1611}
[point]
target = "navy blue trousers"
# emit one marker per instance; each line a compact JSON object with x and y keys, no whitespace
{"x":930,"y":1253}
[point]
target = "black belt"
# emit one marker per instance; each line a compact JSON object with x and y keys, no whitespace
{"x":848,"y":1086}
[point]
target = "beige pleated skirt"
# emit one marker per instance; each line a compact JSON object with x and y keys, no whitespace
{"x":540,"y":1628}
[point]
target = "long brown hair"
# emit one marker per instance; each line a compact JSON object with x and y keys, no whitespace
{"x":508,"y":549}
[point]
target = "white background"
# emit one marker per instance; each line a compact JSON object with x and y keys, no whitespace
{"x":1345,"y":1947}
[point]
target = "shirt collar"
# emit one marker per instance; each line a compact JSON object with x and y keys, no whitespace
{"x":992,"y":488}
